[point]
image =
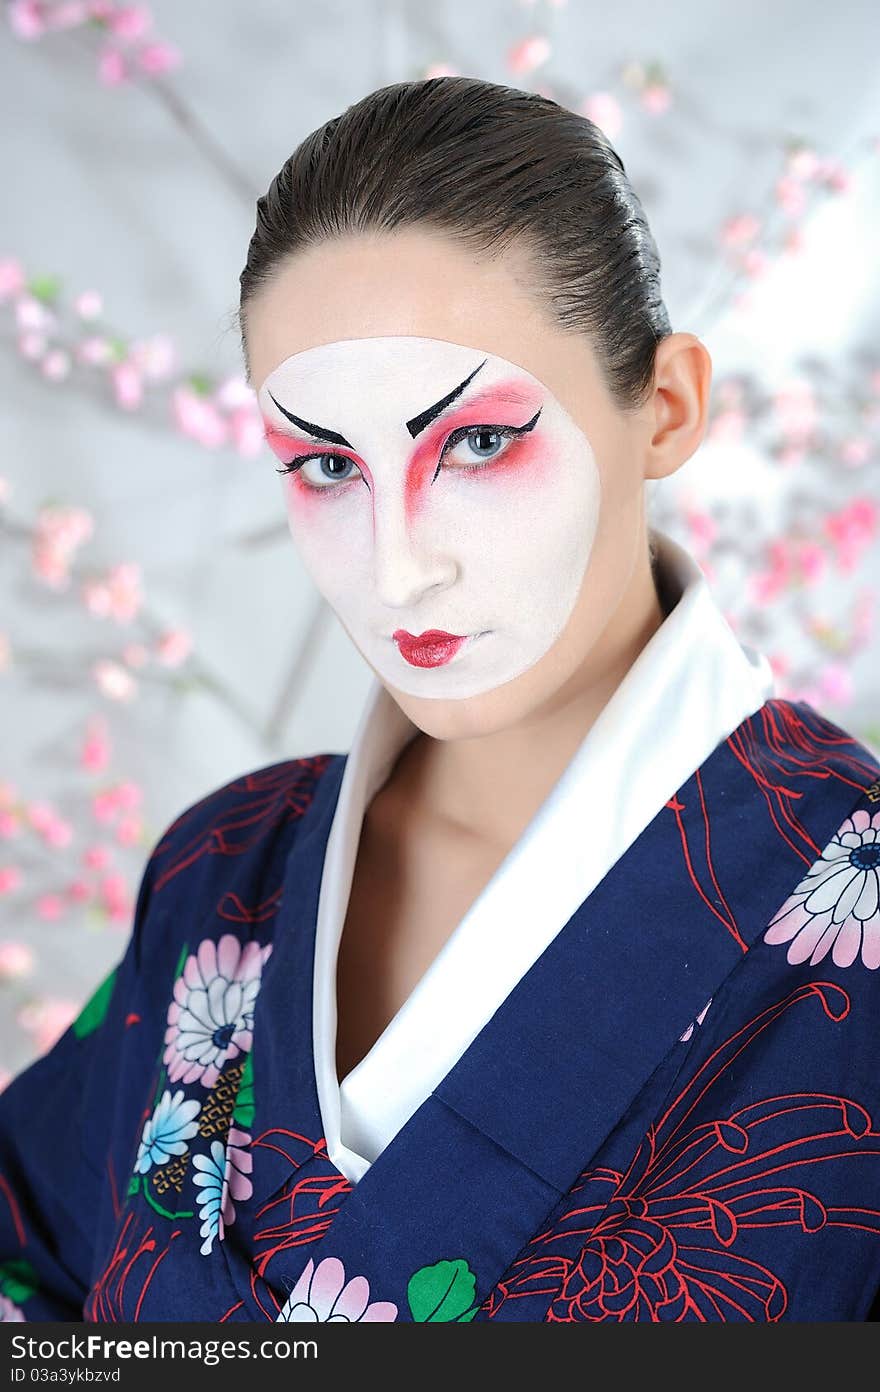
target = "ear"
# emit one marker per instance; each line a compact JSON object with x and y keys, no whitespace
{"x":677,"y":412}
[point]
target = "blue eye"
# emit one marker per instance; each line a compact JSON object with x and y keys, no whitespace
{"x":322,"y":471}
{"x":485,"y":442}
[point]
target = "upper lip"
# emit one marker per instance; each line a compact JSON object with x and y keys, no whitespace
{"x":430,"y":635}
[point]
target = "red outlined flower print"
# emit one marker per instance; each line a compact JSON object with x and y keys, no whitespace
{"x":836,"y":906}
{"x":659,"y":1242}
{"x":259,"y":803}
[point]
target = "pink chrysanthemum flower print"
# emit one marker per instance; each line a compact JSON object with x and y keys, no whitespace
{"x":836,"y":906}
{"x":223,"y":1179}
{"x":211,"y":1016}
{"x":9,"y":1311}
{"x":323,"y":1296}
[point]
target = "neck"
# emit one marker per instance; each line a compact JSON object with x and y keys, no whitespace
{"x":490,"y":786}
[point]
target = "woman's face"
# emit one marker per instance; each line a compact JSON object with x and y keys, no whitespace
{"x":456,"y":478}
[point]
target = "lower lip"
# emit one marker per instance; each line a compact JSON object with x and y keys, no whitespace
{"x":429,"y":654}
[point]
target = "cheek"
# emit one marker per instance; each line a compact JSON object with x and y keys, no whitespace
{"x":332,"y":537}
{"x":526,"y":467}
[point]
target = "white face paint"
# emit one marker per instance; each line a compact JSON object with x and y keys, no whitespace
{"x":438,"y":487}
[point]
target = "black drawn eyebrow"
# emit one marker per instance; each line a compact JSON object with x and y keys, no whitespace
{"x":319,"y":432}
{"x":424,"y":418}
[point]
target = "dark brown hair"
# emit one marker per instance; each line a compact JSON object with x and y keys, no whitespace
{"x":490,"y":166}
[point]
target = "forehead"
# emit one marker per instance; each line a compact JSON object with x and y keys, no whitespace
{"x":398,"y":372}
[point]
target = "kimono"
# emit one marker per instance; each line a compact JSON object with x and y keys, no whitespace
{"x":639,"y":1082}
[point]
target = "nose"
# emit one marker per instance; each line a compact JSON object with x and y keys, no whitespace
{"x":407,"y":562}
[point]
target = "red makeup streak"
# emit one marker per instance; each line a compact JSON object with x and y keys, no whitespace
{"x":502,"y":404}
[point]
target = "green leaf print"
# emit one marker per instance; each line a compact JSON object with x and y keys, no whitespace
{"x":18,"y":1280}
{"x":243,"y":1111}
{"x":444,"y":1291}
{"x":95,"y":1008}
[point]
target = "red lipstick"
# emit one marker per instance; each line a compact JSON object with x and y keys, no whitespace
{"x":429,"y":649}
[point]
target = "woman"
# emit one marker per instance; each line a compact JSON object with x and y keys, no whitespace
{"x":586,"y":923}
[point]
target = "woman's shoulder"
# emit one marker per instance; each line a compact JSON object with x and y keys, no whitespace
{"x":241,"y":828}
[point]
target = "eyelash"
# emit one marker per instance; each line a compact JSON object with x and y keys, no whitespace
{"x":461,"y":433}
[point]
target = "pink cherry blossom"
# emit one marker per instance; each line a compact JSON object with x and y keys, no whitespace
{"x":129,"y":831}
{"x":158,"y":58}
{"x":5,"y":652}
{"x":198,"y":418}
{"x":811,"y":561}
{"x":79,"y":891}
{"x":56,"y":365}
{"x":64,"y":528}
{"x":755,"y":262}
{"x":94,"y":350}
{"x":95,"y":750}
{"x":46,"y":1019}
{"x":155,"y":358}
{"x":529,"y":53}
{"x":31,"y":313}
{"x":246,"y":429}
{"x":727,"y":426}
{"x":173,"y":647}
{"x":118,"y":595}
{"x":129,"y":23}
{"x":88,"y":304}
{"x":10,"y":825}
{"x":113,"y":681}
{"x":604,"y":110}
{"x":105,"y":805}
{"x":68,"y":14}
{"x":128,"y":386}
{"x":50,"y":907}
{"x":16,"y":959}
{"x":12,"y":278}
{"x":40,"y":815}
{"x":112,"y":67}
{"x":135,"y":654}
{"x":796,"y":410}
{"x":32,"y":344}
{"x":855,"y":450}
{"x":803,"y":163}
{"x":58,"y":833}
{"x":791,"y":195}
{"x":740,"y":230}
{"x":129,"y":795}
{"x":834,"y":176}
{"x":10,"y":878}
{"x":97,"y":856}
{"x":114,"y":888}
{"x":234,"y":392}
{"x":26,"y":19}
{"x":656,"y":98}
{"x":836,"y":683}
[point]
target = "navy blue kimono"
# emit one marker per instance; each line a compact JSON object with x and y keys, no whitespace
{"x":672,"y":1116}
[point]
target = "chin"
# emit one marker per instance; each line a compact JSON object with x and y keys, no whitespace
{"x":465,"y":717}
